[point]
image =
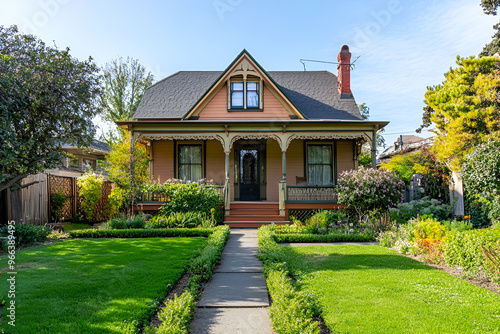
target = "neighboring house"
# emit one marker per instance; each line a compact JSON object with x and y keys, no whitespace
{"x":83,"y":159}
{"x":276,"y":141}
{"x":403,"y":145}
{"x":31,"y":204}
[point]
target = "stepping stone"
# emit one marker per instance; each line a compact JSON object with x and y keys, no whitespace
{"x":239,"y":263}
{"x":235,"y":290}
{"x":231,"y":321}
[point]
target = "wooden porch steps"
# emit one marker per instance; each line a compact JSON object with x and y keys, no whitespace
{"x":254,"y":214}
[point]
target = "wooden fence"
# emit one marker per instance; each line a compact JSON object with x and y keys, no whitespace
{"x":33,"y":204}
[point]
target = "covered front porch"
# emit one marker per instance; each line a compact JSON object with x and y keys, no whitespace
{"x":264,"y":171}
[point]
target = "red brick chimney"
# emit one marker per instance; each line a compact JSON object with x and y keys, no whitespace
{"x":344,"y":77}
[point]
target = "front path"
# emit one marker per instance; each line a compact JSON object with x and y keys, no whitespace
{"x":236,"y":299}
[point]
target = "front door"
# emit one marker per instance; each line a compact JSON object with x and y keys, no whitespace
{"x":249,"y":162}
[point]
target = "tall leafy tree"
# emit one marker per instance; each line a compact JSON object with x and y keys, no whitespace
{"x":465,"y":108}
{"x":490,"y":7}
{"x":124,"y":84}
{"x":47,"y":98}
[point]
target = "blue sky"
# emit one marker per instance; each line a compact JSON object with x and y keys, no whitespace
{"x":403,"y":46}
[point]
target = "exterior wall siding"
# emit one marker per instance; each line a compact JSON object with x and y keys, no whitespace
{"x":217,"y":108}
{"x":274,"y":170}
{"x":163,"y":160}
{"x":345,"y":159}
{"x":294,"y":162}
{"x":215,"y":162}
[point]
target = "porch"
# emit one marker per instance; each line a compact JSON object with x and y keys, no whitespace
{"x":264,"y":171}
{"x":299,"y":201}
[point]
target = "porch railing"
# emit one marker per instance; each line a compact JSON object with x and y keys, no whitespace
{"x":156,"y":196}
{"x":311,"y":194}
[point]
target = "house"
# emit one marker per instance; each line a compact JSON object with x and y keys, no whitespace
{"x":82,"y":160}
{"x":31,"y":204}
{"x":403,"y":145}
{"x":276,"y":141}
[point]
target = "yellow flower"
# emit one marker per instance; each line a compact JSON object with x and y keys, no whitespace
{"x":212,"y":210}
{"x":168,"y":199}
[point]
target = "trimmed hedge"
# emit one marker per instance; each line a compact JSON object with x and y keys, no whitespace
{"x":142,"y":233}
{"x":292,"y":311}
{"x":297,"y":237}
{"x":176,"y":315}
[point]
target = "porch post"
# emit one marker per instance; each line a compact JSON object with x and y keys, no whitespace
{"x":374,"y":149}
{"x":132,"y":169}
{"x":227,"y":188}
{"x":282,"y":185}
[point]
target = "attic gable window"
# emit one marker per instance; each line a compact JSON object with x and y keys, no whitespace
{"x":245,"y":95}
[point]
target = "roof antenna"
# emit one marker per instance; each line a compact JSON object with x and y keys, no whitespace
{"x":326,"y":62}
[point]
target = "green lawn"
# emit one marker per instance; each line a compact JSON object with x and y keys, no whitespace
{"x":93,"y":285}
{"x":370,"y":289}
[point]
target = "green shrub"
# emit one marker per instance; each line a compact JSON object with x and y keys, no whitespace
{"x":58,"y":201}
{"x":480,"y":172}
{"x":25,"y":234}
{"x":124,"y":222}
{"x":91,"y":192}
{"x":142,"y":233}
{"x":186,"y":197}
{"x":464,"y":249}
{"x":179,"y":219}
{"x":325,"y":218}
{"x":292,"y":311}
{"x":297,"y":237}
{"x":365,"y":190}
{"x":176,"y":315}
{"x":424,"y":206}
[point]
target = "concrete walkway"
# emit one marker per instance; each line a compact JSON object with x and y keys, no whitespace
{"x":236,"y":298}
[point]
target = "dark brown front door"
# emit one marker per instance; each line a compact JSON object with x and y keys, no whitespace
{"x":249,"y":162}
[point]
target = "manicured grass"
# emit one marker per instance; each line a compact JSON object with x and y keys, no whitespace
{"x":73,"y":227}
{"x":370,"y":289}
{"x":94,"y":285}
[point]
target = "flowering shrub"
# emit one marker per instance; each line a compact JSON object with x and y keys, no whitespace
{"x":187,"y":197}
{"x":365,"y":190}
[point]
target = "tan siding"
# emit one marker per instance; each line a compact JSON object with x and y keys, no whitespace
{"x":274,"y":171}
{"x":345,"y":161}
{"x":294,"y":161}
{"x":216,"y":161}
{"x":217,"y":108}
{"x":163,"y":160}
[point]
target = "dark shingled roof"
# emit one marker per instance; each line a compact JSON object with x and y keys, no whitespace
{"x":314,"y":93}
{"x":97,"y":144}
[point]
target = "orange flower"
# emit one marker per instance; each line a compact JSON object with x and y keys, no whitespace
{"x":467,"y":217}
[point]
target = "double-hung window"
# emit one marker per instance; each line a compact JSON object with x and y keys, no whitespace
{"x":245,"y":95}
{"x":190,"y":162}
{"x":320,"y":164}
